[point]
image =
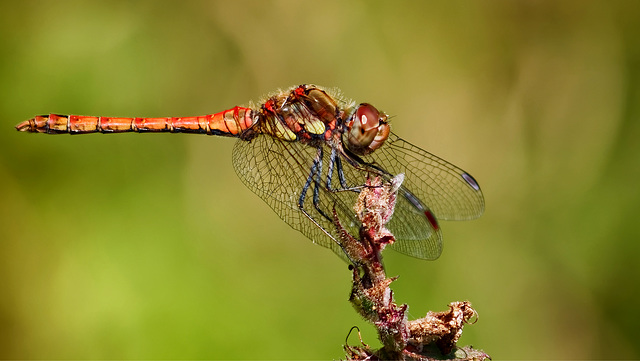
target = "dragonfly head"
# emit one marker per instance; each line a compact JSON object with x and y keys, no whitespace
{"x":366,"y":130}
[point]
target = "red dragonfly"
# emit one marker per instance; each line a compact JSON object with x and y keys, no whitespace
{"x":307,"y":151}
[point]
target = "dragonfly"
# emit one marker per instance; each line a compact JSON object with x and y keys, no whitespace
{"x":307,"y":152}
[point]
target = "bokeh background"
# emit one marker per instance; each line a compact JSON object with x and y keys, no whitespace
{"x":148,"y":246}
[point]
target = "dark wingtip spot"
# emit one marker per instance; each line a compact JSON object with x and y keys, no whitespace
{"x":432,"y":219}
{"x":471,"y":181}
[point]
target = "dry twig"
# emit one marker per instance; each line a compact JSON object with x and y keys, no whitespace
{"x":431,"y":337}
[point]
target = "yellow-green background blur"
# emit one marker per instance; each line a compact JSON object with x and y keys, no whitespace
{"x":149,"y":247}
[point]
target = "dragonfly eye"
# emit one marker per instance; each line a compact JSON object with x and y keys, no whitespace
{"x":367,"y":130}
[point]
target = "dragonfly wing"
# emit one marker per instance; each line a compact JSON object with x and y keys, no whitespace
{"x":448,"y":191}
{"x":277,"y":172}
{"x":416,"y":234}
{"x":442,"y":190}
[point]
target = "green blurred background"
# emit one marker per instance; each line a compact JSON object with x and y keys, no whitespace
{"x":149,"y":247}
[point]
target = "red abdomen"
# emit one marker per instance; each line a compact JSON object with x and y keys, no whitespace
{"x":230,"y":122}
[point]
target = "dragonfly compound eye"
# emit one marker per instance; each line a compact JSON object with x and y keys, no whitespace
{"x":367,"y":130}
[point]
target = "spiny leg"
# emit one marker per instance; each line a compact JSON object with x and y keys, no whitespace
{"x":315,"y":177}
{"x":335,"y":162}
{"x":317,"y":183}
{"x":305,"y":188}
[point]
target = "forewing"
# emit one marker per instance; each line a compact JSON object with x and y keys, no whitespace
{"x":443,"y":191}
{"x":448,"y":191}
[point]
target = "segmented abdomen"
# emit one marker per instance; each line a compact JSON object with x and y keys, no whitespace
{"x":230,"y":122}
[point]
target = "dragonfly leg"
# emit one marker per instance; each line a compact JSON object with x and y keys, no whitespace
{"x":335,"y":162}
{"x":307,"y":184}
{"x":343,"y":182}
{"x":315,"y":178}
{"x":317,"y":183}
